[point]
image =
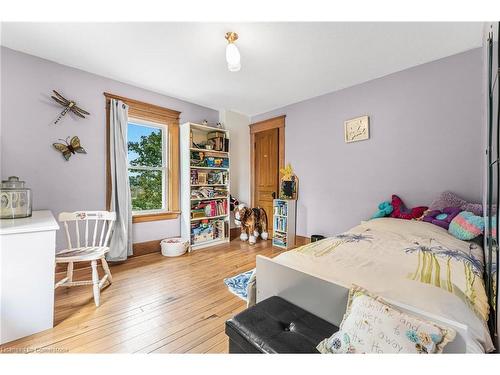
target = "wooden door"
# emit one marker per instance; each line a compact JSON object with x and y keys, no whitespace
{"x":266,"y":162}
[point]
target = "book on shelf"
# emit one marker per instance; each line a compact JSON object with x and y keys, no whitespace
{"x":280,"y":223}
{"x":280,"y":239}
{"x":284,"y":223}
{"x":281,"y":209}
{"x":204,"y":177}
{"x":209,"y":192}
{"x":209,"y":208}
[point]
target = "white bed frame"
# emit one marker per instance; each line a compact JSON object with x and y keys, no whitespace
{"x":328,"y":300}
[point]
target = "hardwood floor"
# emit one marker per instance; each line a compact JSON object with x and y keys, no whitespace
{"x":155,"y":305}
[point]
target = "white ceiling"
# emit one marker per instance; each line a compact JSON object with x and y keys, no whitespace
{"x":282,"y":63}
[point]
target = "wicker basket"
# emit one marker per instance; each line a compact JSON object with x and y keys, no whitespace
{"x":173,"y":247}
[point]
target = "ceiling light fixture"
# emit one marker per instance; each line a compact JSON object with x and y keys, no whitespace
{"x":232,"y":54}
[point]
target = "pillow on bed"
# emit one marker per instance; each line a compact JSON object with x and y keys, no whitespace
{"x":466,"y":226}
{"x":442,"y":218}
{"x":401,"y":212}
{"x":370,"y":325}
{"x":450,"y":199}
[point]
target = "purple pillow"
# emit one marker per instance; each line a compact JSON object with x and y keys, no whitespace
{"x":450,"y":199}
{"x":442,"y":218}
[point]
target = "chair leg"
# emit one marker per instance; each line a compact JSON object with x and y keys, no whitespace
{"x":105,"y":266}
{"x":95,"y":282}
{"x":69,"y":272}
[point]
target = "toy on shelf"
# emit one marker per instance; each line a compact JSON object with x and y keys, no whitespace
{"x":218,"y":140}
{"x":208,"y":192}
{"x":204,"y":177}
{"x":288,"y":183}
{"x":233,"y":203}
{"x":208,"y":159}
{"x":253,"y":223}
{"x":207,"y":230}
{"x":210,"y":208}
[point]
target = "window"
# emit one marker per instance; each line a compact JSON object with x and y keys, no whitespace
{"x":153,"y":160}
{"x":147,"y":166}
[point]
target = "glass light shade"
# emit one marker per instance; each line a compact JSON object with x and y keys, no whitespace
{"x":233,"y":57}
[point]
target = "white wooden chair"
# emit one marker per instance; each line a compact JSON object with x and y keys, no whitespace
{"x":91,"y":248}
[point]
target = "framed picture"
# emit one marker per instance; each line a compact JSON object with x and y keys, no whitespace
{"x":288,"y":183}
{"x":288,"y":188}
{"x":357,"y":129}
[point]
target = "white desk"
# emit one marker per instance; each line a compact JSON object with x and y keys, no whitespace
{"x":27,"y":261}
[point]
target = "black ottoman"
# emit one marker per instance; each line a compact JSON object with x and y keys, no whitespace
{"x":276,"y":326}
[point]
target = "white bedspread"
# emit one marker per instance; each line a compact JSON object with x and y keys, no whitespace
{"x":412,"y":262}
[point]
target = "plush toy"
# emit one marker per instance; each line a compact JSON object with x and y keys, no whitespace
{"x":442,"y":218}
{"x":384,"y":209}
{"x":233,"y":203}
{"x":253,"y":223}
{"x":402,"y":212}
{"x":466,"y":226}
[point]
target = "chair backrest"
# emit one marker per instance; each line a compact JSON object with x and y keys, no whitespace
{"x":101,"y":225}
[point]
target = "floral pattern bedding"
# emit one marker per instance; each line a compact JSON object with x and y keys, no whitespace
{"x":411,"y":262}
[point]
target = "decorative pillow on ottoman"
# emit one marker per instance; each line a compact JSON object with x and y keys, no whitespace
{"x":370,"y":325}
{"x":466,"y":226}
{"x":450,"y":199}
{"x":442,"y":218}
{"x":401,"y":212}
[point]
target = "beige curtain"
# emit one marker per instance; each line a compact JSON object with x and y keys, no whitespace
{"x":121,"y":241}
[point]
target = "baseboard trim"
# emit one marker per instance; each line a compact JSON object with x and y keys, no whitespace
{"x":139,"y":249}
{"x":144,"y":248}
{"x":234,"y":233}
{"x":301,"y":240}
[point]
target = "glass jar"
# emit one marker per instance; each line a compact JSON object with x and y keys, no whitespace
{"x":15,"y":199}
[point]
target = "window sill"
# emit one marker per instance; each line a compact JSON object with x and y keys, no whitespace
{"x":155,"y":216}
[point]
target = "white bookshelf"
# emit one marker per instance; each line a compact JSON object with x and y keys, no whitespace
{"x":284,"y":213}
{"x":196,"y":133}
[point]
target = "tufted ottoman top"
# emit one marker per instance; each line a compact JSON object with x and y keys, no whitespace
{"x":277,"y":326}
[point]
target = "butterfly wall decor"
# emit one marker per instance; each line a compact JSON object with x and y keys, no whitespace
{"x":69,"y":105}
{"x":69,"y":148}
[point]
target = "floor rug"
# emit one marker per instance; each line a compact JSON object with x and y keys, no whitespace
{"x":238,"y":284}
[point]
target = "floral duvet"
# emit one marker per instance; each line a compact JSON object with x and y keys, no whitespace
{"x":412,"y":262}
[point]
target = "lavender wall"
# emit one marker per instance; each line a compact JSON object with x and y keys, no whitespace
{"x":425,"y":137}
{"x":27,"y":134}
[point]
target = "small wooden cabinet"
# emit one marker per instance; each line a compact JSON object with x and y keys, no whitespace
{"x":284,"y":212}
{"x":27,"y":263}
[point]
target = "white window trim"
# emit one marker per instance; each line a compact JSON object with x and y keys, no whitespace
{"x":163,"y":168}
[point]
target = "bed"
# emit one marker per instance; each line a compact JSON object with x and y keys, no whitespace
{"x":416,"y":266}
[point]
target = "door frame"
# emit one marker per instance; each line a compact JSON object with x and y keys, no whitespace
{"x":272,"y":123}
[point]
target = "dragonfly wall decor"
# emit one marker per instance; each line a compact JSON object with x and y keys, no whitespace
{"x":69,"y":105}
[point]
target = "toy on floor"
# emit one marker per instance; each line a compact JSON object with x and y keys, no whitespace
{"x":253,"y":223}
{"x":384,"y":209}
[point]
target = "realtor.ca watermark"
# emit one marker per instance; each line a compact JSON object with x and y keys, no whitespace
{"x":33,"y":350}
